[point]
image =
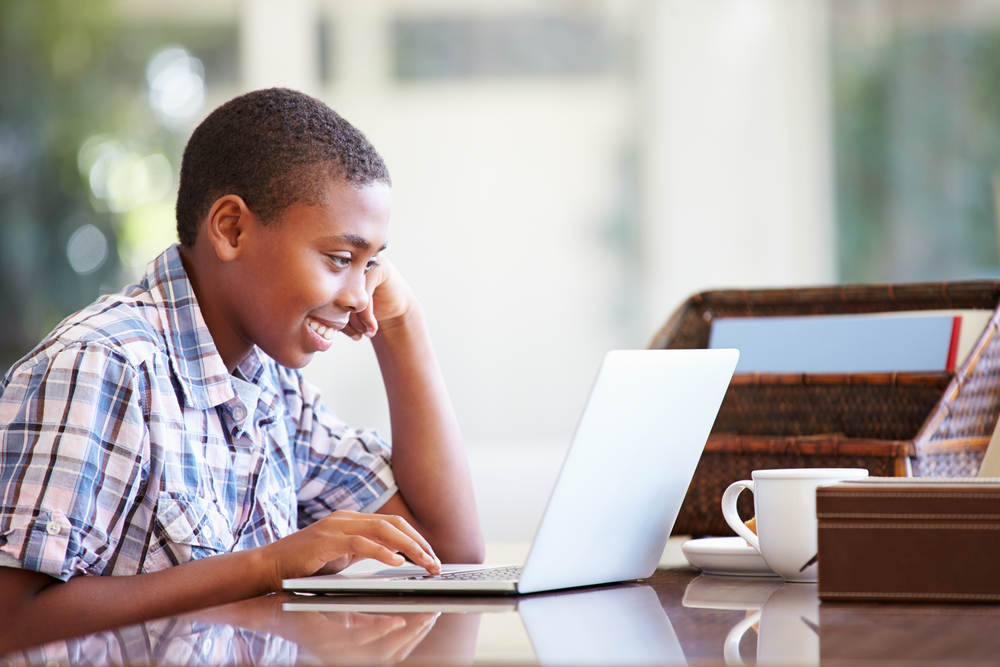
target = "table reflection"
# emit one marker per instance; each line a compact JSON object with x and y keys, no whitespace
{"x":785,"y":617}
{"x":909,"y":633}
{"x":623,"y":625}
{"x":676,"y":618}
{"x":253,"y":632}
{"x":791,"y":627}
{"x":174,"y":641}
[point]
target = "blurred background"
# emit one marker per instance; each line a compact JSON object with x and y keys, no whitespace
{"x":566,"y":172}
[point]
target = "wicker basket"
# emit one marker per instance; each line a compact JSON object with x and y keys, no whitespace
{"x":893,"y":424}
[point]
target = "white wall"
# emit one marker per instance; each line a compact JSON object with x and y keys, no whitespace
{"x":278,"y":44}
{"x":736,"y":134}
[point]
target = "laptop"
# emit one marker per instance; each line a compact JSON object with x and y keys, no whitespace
{"x":625,"y":475}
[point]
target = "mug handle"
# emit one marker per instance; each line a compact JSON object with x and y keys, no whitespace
{"x":732,"y":517}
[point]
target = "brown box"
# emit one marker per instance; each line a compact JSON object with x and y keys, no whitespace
{"x":892,"y":424}
{"x":908,"y":539}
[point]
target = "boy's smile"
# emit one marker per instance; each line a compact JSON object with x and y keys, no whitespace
{"x":324,"y":330}
{"x":291,"y":285}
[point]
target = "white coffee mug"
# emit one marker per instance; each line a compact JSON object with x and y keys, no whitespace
{"x":785,"y":507}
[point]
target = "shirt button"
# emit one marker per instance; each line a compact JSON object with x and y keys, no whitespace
{"x":239,"y":413}
{"x":207,"y":532}
{"x":52,"y":528}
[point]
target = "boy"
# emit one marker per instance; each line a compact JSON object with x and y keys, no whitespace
{"x":165,"y":424}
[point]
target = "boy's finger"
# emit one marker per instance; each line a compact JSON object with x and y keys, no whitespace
{"x":409,"y":543}
{"x":403,"y":525}
{"x":368,"y":322}
{"x":351,"y":331}
{"x":362,"y":545}
{"x":369,"y":534}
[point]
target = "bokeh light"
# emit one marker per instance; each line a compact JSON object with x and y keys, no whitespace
{"x":121,"y":179}
{"x":176,"y":85}
{"x":87,"y":249}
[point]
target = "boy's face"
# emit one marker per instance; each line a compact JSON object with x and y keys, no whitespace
{"x":306,"y":271}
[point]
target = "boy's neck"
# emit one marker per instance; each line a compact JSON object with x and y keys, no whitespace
{"x":230,"y":346}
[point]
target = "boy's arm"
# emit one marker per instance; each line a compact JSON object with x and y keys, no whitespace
{"x":428,"y":457}
{"x":38,"y":608}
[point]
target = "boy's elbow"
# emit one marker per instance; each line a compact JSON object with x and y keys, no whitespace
{"x":477,"y":552}
{"x":470,"y":550}
{"x":472,"y":556}
{"x":476,"y":547}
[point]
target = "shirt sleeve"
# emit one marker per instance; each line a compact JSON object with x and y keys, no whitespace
{"x":72,"y":432}
{"x":338,"y":467}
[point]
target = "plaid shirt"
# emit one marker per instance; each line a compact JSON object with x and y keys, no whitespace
{"x":128,"y":447}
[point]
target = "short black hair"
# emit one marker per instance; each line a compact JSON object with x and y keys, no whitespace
{"x":272,"y":148}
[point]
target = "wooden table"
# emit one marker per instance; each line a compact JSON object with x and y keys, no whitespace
{"x":675,"y":617}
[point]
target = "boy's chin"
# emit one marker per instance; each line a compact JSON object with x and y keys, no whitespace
{"x":294,"y":360}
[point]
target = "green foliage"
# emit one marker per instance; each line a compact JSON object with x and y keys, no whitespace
{"x":917,"y":142}
{"x":54,"y":55}
{"x":72,"y":76}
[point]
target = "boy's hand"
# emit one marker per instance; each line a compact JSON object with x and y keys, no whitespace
{"x":389,"y":298}
{"x":339,"y":539}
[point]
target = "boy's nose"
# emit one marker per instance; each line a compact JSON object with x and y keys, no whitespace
{"x":353,"y":296}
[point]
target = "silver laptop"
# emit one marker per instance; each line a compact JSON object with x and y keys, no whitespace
{"x":625,"y":475}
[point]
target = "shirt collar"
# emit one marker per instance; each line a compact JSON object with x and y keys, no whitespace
{"x":196,"y":362}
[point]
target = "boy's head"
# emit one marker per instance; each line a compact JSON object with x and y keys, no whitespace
{"x":272,"y":148}
{"x":282,"y":211}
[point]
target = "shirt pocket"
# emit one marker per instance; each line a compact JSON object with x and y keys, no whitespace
{"x":189,"y":527}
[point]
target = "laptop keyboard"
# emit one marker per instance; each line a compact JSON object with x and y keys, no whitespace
{"x":510,"y":573}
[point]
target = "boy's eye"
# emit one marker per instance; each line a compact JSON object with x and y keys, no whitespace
{"x":340,"y":262}
{"x":371,"y":265}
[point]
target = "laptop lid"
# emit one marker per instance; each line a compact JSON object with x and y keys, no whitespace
{"x":628,"y":469}
{"x":632,"y":459}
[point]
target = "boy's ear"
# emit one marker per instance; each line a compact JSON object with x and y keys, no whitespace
{"x":227,"y":222}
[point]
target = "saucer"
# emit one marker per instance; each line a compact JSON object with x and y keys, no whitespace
{"x":730,"y":556}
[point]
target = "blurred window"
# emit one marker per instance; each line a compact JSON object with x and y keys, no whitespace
{"x":467,"y":47}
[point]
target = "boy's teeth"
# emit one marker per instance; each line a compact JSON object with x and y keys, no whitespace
{"x":321,"y":329}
